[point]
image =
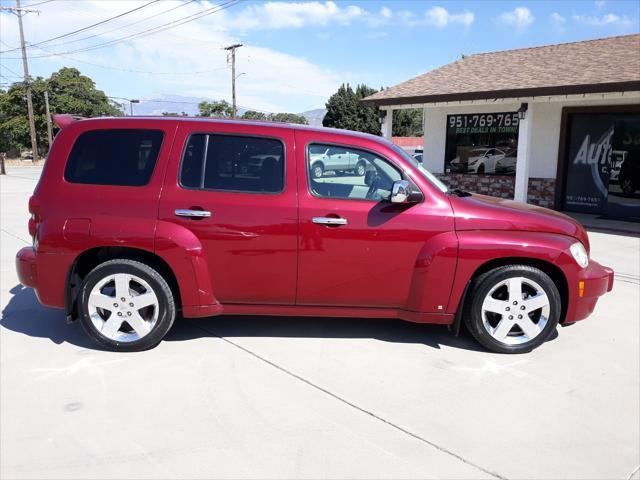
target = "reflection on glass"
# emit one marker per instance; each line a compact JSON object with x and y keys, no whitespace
{"x":482,"y":143}
{"x":349,"y":173}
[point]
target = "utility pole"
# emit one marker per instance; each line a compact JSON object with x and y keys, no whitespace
{"x":20,"y":12}
{"x":131,"y":102}
{"x":48,"y":112}
{"x":232,"y":49}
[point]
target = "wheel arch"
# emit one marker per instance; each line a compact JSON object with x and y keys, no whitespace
{"x":555,"y":273}
{"x":91,"y":258}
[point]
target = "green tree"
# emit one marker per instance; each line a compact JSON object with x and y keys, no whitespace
{"x":345,"y":110}
{"x":288,"y":118}
{"x":220,"y":109}
{"x":254,"y":115}
{"x":407,"y":122}
{"x":69,"y":92}
{"x":368,"y":116}
{"x":72,"y":92}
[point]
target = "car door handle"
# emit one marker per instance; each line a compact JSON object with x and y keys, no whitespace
{"x":332,"y":221}
{"x":182,"y":212}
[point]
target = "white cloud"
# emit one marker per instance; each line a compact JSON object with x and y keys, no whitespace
{"x":440,"y":17}
{"x":600,"y":4}
{"x":607,"y":19}
{"x":274,"y":80}
{"x":278,"y":15}
{"x":275,"y":15}
{"x":519,"y":17}
{"x":376,"y":35}
{"x":558,"y":19}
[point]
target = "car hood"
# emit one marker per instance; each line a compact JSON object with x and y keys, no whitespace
{"x":481,"y":212}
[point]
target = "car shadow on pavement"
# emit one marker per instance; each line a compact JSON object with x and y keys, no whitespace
{"x":386,"y":330}
{"x":24,"y":314}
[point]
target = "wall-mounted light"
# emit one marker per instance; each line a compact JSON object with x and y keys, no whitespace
{"x":522,"y":111}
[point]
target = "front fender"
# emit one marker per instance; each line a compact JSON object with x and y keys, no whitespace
{"x":433,"y":274}
{"x":183,"y":252}
{"x":481,"y":246}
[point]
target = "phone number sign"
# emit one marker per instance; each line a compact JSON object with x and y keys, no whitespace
{"x":483,"y":123}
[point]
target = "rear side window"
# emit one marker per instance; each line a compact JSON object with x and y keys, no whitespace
{"x":233,"y":163}
{"x":114,"y":157}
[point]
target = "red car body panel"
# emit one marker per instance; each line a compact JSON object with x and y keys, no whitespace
{"x":261,"y":254}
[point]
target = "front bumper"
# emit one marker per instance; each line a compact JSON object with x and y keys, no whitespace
{"x":591,"y":283}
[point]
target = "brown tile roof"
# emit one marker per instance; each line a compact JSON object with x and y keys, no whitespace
{"x":603,"y":65}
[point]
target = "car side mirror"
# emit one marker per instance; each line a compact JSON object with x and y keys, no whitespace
{"x":400,"y":192}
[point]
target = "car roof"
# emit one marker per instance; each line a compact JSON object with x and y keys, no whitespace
{"x":68,"y":119}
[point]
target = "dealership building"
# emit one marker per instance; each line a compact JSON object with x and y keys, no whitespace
{"x":557,"y":125}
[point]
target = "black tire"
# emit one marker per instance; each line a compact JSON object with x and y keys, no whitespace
{"x":480,"y":169}
{"x":167,"y":308}
{"x":361,"y":168}
{"x":317,"y":170}
{"x":480,"y":288}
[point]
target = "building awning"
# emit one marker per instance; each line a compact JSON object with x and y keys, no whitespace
{"x":594,"y":66}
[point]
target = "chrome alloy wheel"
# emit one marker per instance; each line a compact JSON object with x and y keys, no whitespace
{"x":515,"y":311}
{"x":123,"y":307}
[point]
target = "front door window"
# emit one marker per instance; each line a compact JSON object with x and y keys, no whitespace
{"x":349,"y":173}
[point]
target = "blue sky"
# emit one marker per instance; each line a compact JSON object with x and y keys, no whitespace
{"x":296,"y":53}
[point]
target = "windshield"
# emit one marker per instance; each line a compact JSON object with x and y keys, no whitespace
{"x":423,"y":171}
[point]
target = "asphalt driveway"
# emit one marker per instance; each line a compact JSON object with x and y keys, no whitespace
{"x":239,"y":397}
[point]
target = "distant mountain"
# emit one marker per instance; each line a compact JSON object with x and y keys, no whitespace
{"x":314,"y":117}
{"x":159,"y":103}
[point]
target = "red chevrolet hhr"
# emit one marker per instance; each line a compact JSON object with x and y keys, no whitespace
{"x":137,"y":220}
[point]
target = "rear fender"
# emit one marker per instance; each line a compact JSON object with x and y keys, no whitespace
{"x":183,"y":252}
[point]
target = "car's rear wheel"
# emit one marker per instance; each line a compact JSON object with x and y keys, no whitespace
{"x":317,"y":170}
{"x":361,"y":169}
{"x":126,"y":305}
{"x":513,"y":309}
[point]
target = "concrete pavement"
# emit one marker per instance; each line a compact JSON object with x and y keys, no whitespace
{"x":238,"y":397}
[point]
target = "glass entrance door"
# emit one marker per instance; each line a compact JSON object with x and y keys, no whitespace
{"x":603,"y":165}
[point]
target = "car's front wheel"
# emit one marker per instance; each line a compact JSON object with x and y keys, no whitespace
{"x":318,"y":170}
{"x":513,"y":309}
{"x":126,"y":305}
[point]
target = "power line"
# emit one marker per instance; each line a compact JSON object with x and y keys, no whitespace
{"x":88,"y":27}
{"x":39,"y":3}
{"x":151,"y":31}
{"x":123,"y":27}
{"x":130,"y":70}
{"x":12,"y":71}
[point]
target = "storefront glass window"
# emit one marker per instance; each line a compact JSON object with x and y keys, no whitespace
{"x":482,"y":143}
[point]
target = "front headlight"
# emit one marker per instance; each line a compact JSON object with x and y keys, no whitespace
{"x":580,"y":254}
